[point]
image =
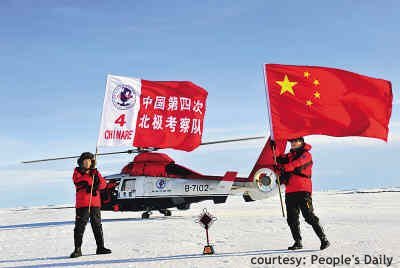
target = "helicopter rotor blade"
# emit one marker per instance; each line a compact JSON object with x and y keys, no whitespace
{"x":49,"y":159}
{"x":131,"y":151}
{"x":232,"y":140}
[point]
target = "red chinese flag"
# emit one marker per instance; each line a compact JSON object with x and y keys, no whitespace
{"x":171,"y":115}
{"x":306,"y":100}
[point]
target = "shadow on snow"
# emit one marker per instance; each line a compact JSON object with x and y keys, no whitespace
{"x":61,"y":223}
{"x":153,"y":259}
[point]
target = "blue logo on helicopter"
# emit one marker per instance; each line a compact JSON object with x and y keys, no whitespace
{"x":161,"y":183}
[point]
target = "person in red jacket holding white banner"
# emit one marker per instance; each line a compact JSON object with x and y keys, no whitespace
{"x":296,"y":170}
{"x":88,"y":183}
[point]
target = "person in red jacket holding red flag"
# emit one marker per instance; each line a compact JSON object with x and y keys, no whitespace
{"x":296,"y":170}
{"x":88,"y":183}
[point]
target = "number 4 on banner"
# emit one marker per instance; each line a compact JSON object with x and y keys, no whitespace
{"x":120,"y":120}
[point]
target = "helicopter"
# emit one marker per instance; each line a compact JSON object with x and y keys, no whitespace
{"x":153,"y":181}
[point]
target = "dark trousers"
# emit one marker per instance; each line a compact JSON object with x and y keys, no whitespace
{"x":81,"y":219}
{"x":301,"y":201}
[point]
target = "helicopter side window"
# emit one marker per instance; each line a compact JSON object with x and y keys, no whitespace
{"x":128,"y":185}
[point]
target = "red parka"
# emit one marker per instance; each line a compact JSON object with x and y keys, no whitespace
{"x":83,"y":181}
{"x":300,"y":166}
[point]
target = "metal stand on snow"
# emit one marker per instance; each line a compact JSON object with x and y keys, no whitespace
{"x":206,"y":220}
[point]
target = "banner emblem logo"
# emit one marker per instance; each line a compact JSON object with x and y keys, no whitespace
{"x":124,"y":97}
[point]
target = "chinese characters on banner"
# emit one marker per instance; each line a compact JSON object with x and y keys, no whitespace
{"x":171,"y":115}
{"x":146,"y":113}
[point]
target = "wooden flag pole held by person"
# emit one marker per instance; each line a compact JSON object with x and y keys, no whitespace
{"x":279,"y":183}
{"x":91,"y":188}
{"x":272,"y":139}
{"x":95,"y":157}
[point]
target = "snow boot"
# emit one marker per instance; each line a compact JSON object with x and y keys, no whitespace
{"x":321,"y":235}
{"x":324,"y":244}
{"x":98,"y":235}
{"x":297,"y":245}
{"x":103,"y":250}
{"x":78,"y":235}
{"x":77,"y":253}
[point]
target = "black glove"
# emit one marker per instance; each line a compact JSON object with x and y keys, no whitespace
{"x":81,"y":185}
{"x":273,"y":144}
{"x":284,"y":177}
{"x":282,"y":160}
{"x":88,"y":188}
{"x":96,"y":182}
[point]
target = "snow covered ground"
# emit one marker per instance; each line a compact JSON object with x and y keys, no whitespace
{"x":358,"y":223}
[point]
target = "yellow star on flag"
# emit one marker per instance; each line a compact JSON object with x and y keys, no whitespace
{"x":316,"y":82}
{"x":307,"y":74}
{"x":309,"y":103}
{"x":286,"y":85}
{"x":317,"y":95}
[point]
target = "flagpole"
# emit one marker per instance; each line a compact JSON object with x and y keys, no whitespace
{"x":268,"y":104}
{"x":97,"y":147}
{"x":91,"y":187}
{"x":272,"y":138}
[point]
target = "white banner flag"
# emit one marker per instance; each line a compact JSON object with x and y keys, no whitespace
{"x":120,"y":110}
{"x":143,"y":113}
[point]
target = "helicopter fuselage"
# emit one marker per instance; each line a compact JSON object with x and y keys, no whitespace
{"x":147,"y":193}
